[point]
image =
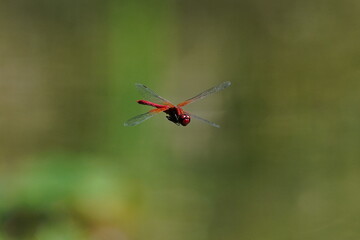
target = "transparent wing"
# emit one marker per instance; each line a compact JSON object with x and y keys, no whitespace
{"x":138,"y":119}
{"x":204,"y":120}
{"x":142,"y":117}
{"x":206,"y":93}
{"x":150,"y":95}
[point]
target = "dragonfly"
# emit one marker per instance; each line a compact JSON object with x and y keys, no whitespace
{"x":174,"y":113}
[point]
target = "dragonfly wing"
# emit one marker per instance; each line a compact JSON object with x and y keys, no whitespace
{"x":138,"y":119}
{"x":204,"y":120}
{"x":142,"y":117}
{"x":150,"y":95}
{"x":206,"y":93}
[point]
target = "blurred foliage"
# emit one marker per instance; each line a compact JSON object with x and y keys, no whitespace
{"x":284,"y":164}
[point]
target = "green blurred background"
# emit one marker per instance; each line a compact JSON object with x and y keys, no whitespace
{"x":284,"y":165}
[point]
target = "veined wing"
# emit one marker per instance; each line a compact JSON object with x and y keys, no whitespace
{"x":204,"y":120}
{"x":142,"y":117}
{"x":206,"y":93}
{"x":150,"y":95}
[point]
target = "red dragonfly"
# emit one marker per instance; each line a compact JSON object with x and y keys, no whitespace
{"x":174,"y":113}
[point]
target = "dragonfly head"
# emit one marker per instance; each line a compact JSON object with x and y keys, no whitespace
{"x":184,"y":119}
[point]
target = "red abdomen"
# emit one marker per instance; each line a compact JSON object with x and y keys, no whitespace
{"x":144,"y":102}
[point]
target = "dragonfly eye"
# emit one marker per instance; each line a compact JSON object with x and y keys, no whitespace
{"x":184,"y":119}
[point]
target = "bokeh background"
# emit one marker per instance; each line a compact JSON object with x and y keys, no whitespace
{"x":284,"y":164}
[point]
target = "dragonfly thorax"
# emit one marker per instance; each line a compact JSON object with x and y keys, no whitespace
{"x":177,"y":116}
